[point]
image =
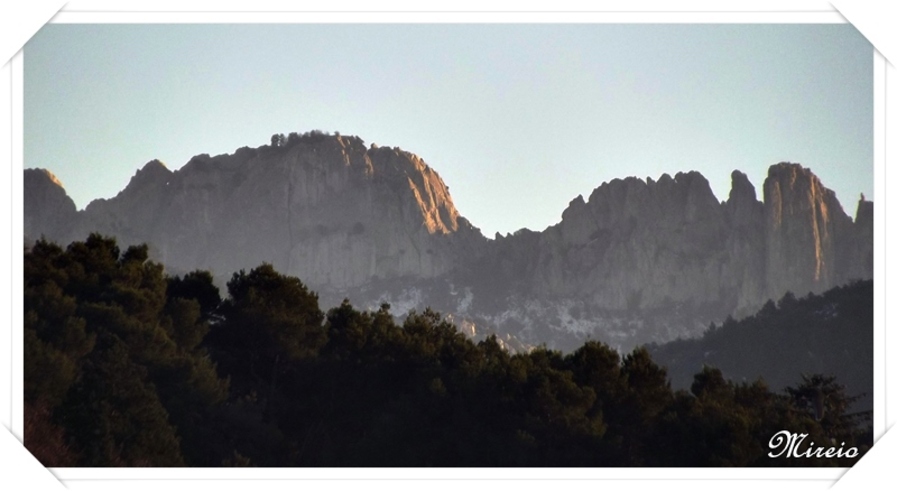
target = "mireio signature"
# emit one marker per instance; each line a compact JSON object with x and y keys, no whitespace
{"x":789,"y":445}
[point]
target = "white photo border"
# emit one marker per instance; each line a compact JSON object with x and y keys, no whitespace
{"x":11,"y":80}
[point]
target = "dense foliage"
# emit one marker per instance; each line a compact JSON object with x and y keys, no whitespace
{"x":829,"y":333}
{"x":125,"y":366}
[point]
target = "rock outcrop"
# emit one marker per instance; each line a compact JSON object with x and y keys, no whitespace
{"x":642,"y":244}
{"x":861,"y":255}
{"x":326,"y":209}
{"x":49,"y":211}
{"x":804,"y":225}
{"x":645,"y":261}
{"x":638,"y":261}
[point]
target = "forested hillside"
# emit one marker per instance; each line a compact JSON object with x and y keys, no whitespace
{"x":829,"y":333}
{"x":126,"y":366}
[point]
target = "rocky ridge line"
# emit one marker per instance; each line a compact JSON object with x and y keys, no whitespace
{"x":640,"y":260}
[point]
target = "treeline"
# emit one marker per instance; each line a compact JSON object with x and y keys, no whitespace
{"x":125,"y":366}
{"x":829,"y":333}
{"x":309,"y":137}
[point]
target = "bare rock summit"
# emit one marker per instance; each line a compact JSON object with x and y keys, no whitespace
{"x":637,"y":261}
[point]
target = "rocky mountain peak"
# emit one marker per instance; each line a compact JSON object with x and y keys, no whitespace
{"x":744,"y":210}
{"x":42,"y":179}
{"x":153,"y":173}
{"x":48,"y":209}
{"x":803,"y":222}
{"x":791,"y":172}
{"x":49,"y":175}
{"x":638,"y":261}
{"x":323,"y":207}
{"x":791,"y":184}
{"x":742,"y":190}
{"x":864,"y":212}
{"x":407,"y":172}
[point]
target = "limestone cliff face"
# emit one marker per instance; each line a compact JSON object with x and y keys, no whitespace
{"x":638,"y":261}
{"x":133,"y":215}
{"x":860,"y":255}
{"x":637,"y":246}
{"x":326,"y":209}
{"x":745,"y":245}
{"x":48,"y":209}
{"x":803,"y":224}
{"x":633,"y":245}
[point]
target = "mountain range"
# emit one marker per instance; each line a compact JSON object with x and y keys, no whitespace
{"x":638,"y":261}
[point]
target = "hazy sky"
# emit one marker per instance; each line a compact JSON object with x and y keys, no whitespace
{"x":517,"y":119}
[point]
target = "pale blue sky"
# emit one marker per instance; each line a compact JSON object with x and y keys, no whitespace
{"x":517,"y":119}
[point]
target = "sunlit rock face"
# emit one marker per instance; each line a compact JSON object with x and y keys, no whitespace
{"x":807,"y":232}
{"x":326,"y":209}
{"x":643,"y":244}
{"x":645,"y":260}
{"x":49,"y":211}
{"x":636,"y":262}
